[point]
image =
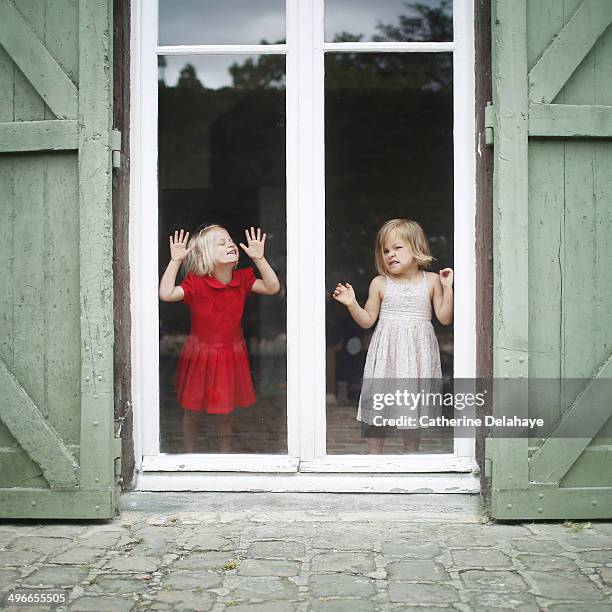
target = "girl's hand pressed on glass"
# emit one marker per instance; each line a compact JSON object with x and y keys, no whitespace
{"x":178,"y":246}
{"x":345,"y":294}
{"x":446,"y":278}
{"x":255,"y":248}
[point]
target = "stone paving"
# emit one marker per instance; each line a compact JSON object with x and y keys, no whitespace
{"x":279,"y":552}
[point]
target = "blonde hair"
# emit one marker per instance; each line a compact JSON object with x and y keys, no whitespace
{"x":409,"y":232}
{"x":200,"y":259}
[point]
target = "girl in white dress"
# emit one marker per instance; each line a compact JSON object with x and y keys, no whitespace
{"x":404,"y":344}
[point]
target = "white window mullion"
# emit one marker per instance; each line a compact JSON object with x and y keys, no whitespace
{"x":389,"y":47}
{"x":294,"y":354}
{"x":144,"y":252}
{"x":318,"y":225}
{"x":308,"y":242}
{"x":222,"y":49}
{"x":465,"y":202}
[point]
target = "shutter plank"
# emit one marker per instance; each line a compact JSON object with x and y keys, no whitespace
{"x":95,"y":251}
{"x":561,"y":450}
{"x":61,"y":286}
{"x":34,"y":434}
{"x":541,"y":502}
{"x":29,"y":106}
{"x":7,"y":276}
{"x":52,"y":135}
{"x":510,"y":237}
{"x":36,"y":63}
{"x":570,"y":120}
{"x":7,"y":87}
{"x":28,"y":239}
{"x":568,"y":49}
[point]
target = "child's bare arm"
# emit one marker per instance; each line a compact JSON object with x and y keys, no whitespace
{"x":443,"y":296}
{"x":268,"y":284}
{"x":364,"y":317}
{"x":168,"y":291}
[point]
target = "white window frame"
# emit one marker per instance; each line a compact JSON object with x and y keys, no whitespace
{"x":306,"y":459}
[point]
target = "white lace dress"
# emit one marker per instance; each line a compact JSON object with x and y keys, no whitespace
{"x":404,"y":349}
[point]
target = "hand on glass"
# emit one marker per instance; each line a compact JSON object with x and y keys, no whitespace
{"x":446,"y":278}
{"x":344,"y":294}
{"x":256,"y":242}
{"x":178,"y":246}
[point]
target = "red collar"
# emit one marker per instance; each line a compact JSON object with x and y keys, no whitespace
{"x":217,"y":284}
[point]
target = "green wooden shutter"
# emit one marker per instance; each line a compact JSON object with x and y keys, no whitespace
{"x":57,"y":446}
{"x":551,"y":128}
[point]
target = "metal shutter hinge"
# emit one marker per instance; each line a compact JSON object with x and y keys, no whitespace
{"x":116,"y":148}
{"x":489,"y":119}
{"x":488,"y":457}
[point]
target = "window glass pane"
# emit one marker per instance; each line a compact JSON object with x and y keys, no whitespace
{"x":388,"y":21}
{"x":389,"y":154}
{"x":221,"y":22}
{"x":222,"y":160}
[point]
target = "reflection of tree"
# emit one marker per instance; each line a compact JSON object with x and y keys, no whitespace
{"x":268,"y":72}
{"x":429,"y":24}
{"x":429,"y":71}
{"x":188,"y":79}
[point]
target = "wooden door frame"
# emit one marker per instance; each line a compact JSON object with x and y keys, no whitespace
{"x":484,"y":220}
{"x":483,"y":244}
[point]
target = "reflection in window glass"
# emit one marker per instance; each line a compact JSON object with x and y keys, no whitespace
{"x":389,"y":154}
{"x":221,"y":22}
{"x":388,"y":21}
{"x":222,"y":160}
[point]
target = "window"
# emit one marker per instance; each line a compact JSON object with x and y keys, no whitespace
{"x":316,"y":121}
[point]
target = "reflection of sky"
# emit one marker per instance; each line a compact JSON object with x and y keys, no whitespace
{"x":248,"y":21}
{"x":217,"y":22}
{"x":211,"y":70}
{"x":361,"y":16}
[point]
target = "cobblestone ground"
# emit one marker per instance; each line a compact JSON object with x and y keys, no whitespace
{"x":321,"y":552}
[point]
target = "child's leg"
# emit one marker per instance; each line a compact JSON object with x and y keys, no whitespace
{"x":412,"y":439}
{"x":191,"y":426}
{"x":375,"y":446}
{"x":225,"y":432}
{"x":375,"y":437}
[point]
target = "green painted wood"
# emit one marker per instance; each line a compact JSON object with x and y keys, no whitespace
{"x":587,"y":472}
{"x":16,"y":468}
{"x":50,"y":135}
{"x":36,"y":63}
{"x":28,"y":105}
{"x":510,"y":297}
{"x":7,"y":86}
{"x":546,"y":203}
{"x":560,"y":452}
{"x":96,"y":287}
{"x":56,"y":319}
{"x":567,"y":212}
{"x":31,"y":430}
{"x":61,"y":290}
{"x":43,"y":504}
{"x":568,"y":49}
{"x":62,"y":35}
{"x":570,"y":120}
{"x":541,"y":502}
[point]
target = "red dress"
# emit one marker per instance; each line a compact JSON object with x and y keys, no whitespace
{"x":213,"y":372}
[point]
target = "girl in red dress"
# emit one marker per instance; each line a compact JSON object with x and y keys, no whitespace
{"x":213,"y":372}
